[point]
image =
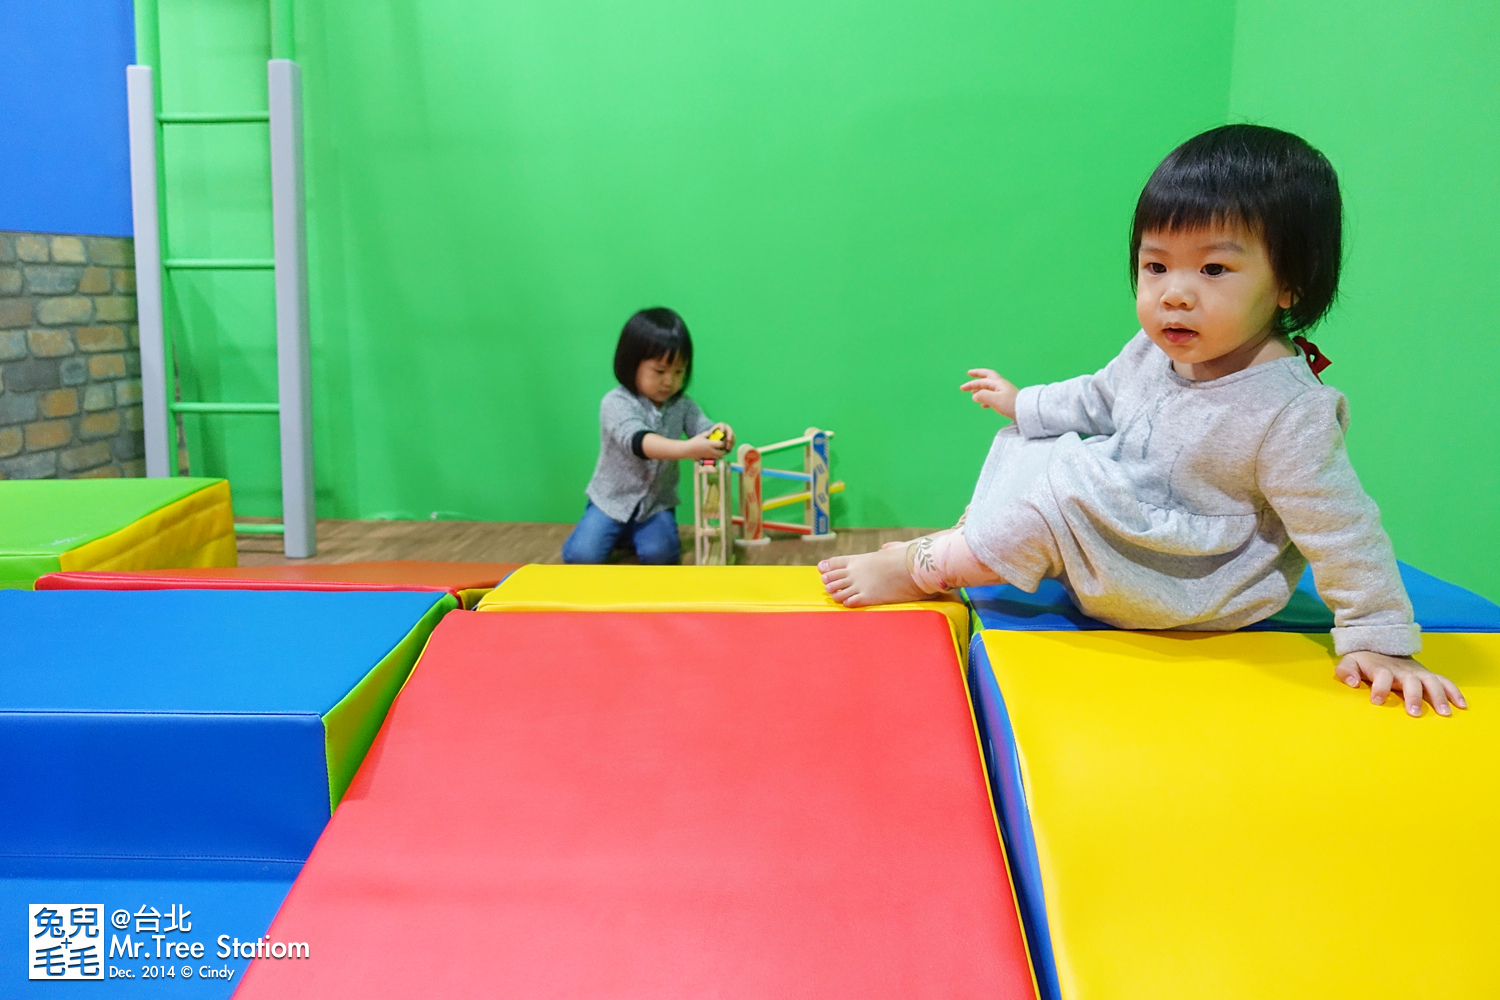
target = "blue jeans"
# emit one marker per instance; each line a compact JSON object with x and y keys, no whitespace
{"x":655,"y":539}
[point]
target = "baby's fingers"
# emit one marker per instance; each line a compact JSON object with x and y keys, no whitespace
{"x":1380,"y":685}
{"x":1347,"y":671}
{"x":1411,"y":693}
{"x":1432,"y":686}
{"x":1454,"y":694}
{"x":983,"y":373}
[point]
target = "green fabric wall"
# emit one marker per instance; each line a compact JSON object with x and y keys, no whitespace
{"x":850,"y":204}
{"x":1404,"y":97}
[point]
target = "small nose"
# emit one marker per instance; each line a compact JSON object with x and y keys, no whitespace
{"x":1176,"y":295}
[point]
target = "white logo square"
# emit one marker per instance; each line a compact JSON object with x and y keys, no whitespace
{"x":65,"y":941}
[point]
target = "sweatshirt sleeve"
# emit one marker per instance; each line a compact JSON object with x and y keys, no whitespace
{"x":621,"y":421}
{"x":1306,"y":477}
{"x":1082,"y":404}
{"x":693,"y":418}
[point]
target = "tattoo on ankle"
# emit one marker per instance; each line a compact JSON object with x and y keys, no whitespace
{"x":919,"y":554}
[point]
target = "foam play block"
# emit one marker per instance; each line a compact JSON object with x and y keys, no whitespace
{"x":1440,"y":607}
{"x":184,"y":903}
{"x":192,"y":723}
{"x":48,"y":525}
{"x":688,"y":588}
{"x":466,"y":581}
{"x":664,"y":805}
{"x":1194,"y":815}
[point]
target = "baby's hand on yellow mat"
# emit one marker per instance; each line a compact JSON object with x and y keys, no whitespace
{"x":1415,"y":681}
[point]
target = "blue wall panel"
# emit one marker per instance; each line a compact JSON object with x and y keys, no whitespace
{"x":66,"y":167}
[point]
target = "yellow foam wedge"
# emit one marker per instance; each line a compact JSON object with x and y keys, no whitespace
{"x":1216,"y":817}
{"x":195,"y":531}
{"x":48,"y":525}
{"x":687,"y":588}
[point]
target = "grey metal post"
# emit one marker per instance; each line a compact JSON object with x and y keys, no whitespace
{"x":293,"y":363}
{"x":141,"y":104}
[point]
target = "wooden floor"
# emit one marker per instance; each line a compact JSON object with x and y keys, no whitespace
{"x":501,"y":541}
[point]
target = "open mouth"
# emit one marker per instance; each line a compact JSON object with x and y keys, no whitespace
{"x":1178,"y":334}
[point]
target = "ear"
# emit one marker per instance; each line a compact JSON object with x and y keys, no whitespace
{"x":1286,"y":299}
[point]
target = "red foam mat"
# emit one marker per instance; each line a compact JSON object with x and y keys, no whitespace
{"x":396,"y":574}
{"x":591,"y":805}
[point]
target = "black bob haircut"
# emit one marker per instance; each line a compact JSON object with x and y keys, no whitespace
{"x":650,"y":334}
{"x":1274,"y":184}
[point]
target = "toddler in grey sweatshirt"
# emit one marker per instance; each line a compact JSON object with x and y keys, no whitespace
{"x":1188,"y":483}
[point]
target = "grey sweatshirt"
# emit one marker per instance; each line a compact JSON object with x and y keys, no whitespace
{"x":1164,"y":503}
{"x":627,"y":484}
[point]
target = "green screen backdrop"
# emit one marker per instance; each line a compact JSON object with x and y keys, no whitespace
{"x":850,"y":204}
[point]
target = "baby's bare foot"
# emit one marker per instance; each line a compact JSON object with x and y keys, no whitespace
{"x":873,"y":578}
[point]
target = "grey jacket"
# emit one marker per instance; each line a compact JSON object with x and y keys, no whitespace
{"x":1164,"y":503}
{"x":627,"y":485}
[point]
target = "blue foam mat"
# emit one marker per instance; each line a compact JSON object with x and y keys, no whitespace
{"x":1440,"y":607}
{"x":238,"y":900}
{"x":196,"y":650}
{"x":184,"y":785}
{"x":179,"y":723}
{"x":998,"y":742}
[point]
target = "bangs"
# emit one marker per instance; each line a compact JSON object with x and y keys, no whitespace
{"x":668,"y":349}
{"x":1186,"y":208}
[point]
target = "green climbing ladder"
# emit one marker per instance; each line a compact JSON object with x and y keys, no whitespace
{"x":156,"y":267}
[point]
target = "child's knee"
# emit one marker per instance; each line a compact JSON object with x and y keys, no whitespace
{"x":592,"y":540}
{"x":580,"y":549}
{"x":658,"y":551}
{"x":657,"y":544}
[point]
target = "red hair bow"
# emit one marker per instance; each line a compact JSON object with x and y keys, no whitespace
{"x":1316,"y":359}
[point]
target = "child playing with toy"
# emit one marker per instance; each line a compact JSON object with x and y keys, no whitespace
{"x":632,"y":497}
{"x":1187,"y":483}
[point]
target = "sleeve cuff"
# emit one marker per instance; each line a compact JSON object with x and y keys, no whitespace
{"x":637,"y":443}
{"x":1392,"y":640}
{"x":1029,"y":412}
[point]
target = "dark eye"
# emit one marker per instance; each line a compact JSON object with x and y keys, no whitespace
{"x":1156,"y":268}
{"x":1213,"y":270}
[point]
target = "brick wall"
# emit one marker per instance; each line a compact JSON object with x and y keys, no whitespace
{"x":70,"y":366}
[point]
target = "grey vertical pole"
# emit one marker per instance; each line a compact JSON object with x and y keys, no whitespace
{"x":289,"y":231}
{"x":141,"y":104}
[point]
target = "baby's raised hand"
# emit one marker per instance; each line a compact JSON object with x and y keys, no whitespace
{"x":992,"y":390}
{"x":1415,"y":681}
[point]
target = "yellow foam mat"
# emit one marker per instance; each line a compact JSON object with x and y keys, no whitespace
{"x":197,"y":530}
{"x":470,"y":598}
{"x":688,"y":588}
{"x":1217,"y":817}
